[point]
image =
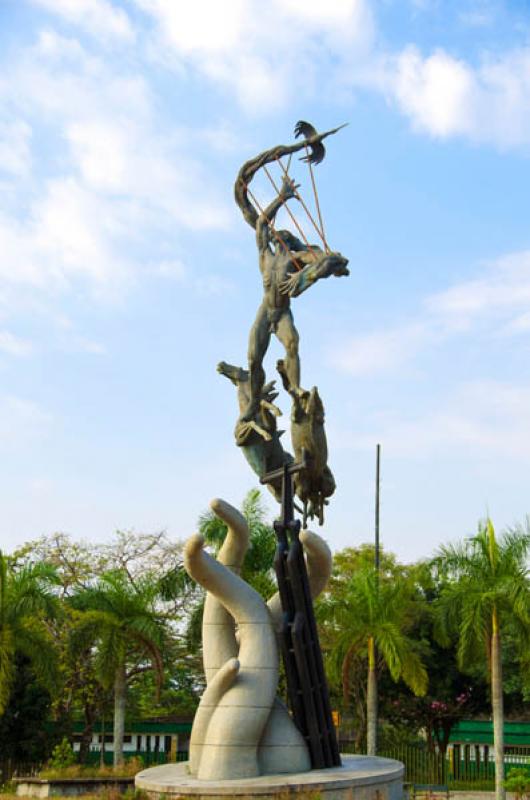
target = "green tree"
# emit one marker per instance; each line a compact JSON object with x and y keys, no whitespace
{"x":26,"y":602}
{"x":122,"y":620}
{"x":25,"y":733}
{"x":486,"y":590}
{"x":80,"y":693}
{"x":78,"y":565}
{"x":452,"y":695}
{"x":368,"y":618}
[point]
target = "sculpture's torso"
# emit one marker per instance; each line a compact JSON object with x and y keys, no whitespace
{"x":275,"y":268}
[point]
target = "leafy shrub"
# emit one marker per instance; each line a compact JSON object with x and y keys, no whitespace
{"x":518,"y":782}
{"x":62,"y":755}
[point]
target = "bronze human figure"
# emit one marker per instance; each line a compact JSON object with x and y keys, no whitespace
{"x":288,"y":267}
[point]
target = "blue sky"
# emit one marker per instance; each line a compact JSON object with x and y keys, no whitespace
{"x":127,"y":272}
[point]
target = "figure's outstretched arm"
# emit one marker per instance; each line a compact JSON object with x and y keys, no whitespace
{"x":266,"y":218}
{"x":315,"y":269}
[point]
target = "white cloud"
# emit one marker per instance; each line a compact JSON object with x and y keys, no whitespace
{"x":478,"y":13}
{"x":21,"y":420}
{"x":98,"y":17}
{"x":489,"y":306}
{"x":265,"y":55}
{"x":121,"y":157}
{"x":446,"y":96}
{"x":79,"y":344}
{"x":116,"y":184}
{"x":435,"y":92}
{"x":380,"y":351}
{"x":476,"y":19}
{"x":503,"y":290}
{"x":15,"y":150}
{"x":14,"y":346}
{"x":478,"y":418}
{"x":173,"y":269}
{"x":296,"y":46}
{"x":65,"y":237}
{"x":520,"y":324}
{"x":205,"y":284}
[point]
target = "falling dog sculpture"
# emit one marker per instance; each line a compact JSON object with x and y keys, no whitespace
{"x":315,"y":483}
{"x":241,"y":728}
{"x":259,"y":438}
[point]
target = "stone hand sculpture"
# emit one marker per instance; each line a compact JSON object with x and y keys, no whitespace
{"x":241,"y":729}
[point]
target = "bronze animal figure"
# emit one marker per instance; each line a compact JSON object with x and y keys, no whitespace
{"x":314,"y":484}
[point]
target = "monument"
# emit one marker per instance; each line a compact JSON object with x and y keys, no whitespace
{"x":245,"y":741}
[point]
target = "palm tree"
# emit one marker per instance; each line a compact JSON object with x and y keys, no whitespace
{"x":121,"y":619}
{"x":487,"y":589}
{"x":26,"y":601}
{"x":367,"y":619}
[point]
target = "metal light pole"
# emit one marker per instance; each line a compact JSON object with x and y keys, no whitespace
{"x":377,"y":484}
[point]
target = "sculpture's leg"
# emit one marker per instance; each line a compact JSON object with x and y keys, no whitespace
{"x":258,"y":342}
{"x":283,"y":748}
{"x":288,"y":336}
{"x":230,"y":747}
{"x":218,"y":628}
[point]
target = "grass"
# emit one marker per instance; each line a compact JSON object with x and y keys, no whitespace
{"x":128,"y":770}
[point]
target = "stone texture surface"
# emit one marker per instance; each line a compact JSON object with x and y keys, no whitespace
{"x":359,"y":778}
{"x":219,"y":642}
{"x":282,"y":748}
{"x":225,"y":744}
{"x":239,"y":708}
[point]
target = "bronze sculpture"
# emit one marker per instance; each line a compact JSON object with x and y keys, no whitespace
{"x":289,"y":266}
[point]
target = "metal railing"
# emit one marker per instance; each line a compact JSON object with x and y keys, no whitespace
{"x":463,"y":767}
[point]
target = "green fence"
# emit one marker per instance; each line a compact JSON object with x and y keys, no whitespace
{"x":465,"y":767}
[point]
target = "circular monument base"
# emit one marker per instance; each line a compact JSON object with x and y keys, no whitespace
{"x":359,"y":778}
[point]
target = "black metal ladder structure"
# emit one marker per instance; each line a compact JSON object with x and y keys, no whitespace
{"x":304,"y":668}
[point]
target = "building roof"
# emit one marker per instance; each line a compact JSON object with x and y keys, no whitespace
{"x":167,"y":725}
{"x":474,"y":731}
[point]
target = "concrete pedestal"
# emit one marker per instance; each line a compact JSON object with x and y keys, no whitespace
{"x":359,"y":778}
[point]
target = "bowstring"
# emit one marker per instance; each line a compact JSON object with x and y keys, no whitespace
{"x":304,"y":206}
{"x":317,"y":203}
{"x":298,"y":227}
